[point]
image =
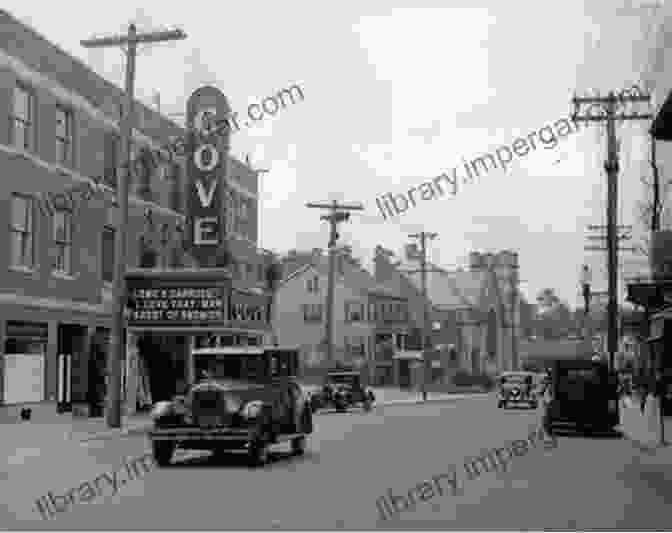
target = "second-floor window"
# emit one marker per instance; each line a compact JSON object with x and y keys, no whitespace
{"x":63,"y":135}
{"x":313,"y":284}
{"x":23,"y":118}
{"x":22,"y":231}
{"x":312,"y":312}
{"x":356,"y":345}
{"x":107,"y":255}
{"x":63,"y":241}
{"x":354,"y":312}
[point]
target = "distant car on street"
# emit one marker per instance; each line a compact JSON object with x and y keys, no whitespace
{"x":516,"y":388}
{"x":342,"y":389}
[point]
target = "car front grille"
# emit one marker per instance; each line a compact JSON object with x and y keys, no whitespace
{"x":209,"y":408}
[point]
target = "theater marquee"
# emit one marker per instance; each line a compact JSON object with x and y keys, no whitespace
{"x":196,"y":300}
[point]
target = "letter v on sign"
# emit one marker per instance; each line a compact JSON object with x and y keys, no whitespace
{"x":203,"y":196}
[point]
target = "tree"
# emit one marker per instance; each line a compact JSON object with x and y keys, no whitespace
{"x":654,"y":213}
{"x":554,"y":320}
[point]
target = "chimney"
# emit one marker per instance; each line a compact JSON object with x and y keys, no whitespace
{"x":475,"y":261}
{"x":383,"y":269}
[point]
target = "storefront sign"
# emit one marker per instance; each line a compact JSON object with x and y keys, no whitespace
{"x":185,"y":305}
{"x":207,"y":154}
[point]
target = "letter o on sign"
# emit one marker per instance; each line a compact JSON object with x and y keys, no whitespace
{"x":206,"y":158}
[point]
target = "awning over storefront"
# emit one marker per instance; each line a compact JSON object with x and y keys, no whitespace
{"x":661,"y":128}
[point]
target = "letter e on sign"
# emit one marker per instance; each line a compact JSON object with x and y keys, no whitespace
{"x":206,"y":231}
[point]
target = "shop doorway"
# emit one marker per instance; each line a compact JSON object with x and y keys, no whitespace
{"x":97,"y":371}
{"x":404,"y":373}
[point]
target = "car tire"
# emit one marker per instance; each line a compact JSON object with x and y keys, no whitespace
{"x":307,"y":421}
{"x":501,"y":405}
{"x":162,"y":450}
{"x":258,"y":453}
{"x":299,"y":446}
{"x":535,"y":404}
{"x":367,"y":405}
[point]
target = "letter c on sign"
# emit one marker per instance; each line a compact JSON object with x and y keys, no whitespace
{"x":206,"y":163}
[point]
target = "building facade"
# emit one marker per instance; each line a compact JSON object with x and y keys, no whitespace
{"x":370,"y":320}
{"x":474,"y":313}
{"x":59,"y":148}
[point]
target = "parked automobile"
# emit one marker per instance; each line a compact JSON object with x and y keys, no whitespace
{"x":342,"y":389}
{"x":517,"y":388}
{"x":246,"y":398}
{"x":584,"y":396}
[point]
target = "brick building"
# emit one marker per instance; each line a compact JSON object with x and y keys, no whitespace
{"x":61,"y":131}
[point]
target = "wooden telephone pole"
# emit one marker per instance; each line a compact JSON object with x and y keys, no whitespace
{"x":610,"y":111}
{"x":422,"y":237}
{"x":337,"y":213}
{"x":125,"y":169}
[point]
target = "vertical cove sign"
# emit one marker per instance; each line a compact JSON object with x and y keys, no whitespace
{"x":207,"y":168}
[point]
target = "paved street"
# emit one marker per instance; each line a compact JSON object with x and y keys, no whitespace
{"x":352,"y":460}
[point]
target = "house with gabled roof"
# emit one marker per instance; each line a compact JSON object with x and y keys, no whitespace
{"x":370,"y":318}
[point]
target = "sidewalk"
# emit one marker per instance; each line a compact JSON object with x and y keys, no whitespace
{"x":643,"y":429}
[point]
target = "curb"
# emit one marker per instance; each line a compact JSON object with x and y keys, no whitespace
{"x":142,"y":428}
{"x":430,"y":400}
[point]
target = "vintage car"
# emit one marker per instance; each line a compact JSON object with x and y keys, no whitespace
{"x":245,"y":398}
{"x":342,"y":389}
{"x":517,"y":388}
{"x":583,"y":396}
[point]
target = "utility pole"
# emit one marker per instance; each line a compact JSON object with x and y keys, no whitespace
{"x":423,"y":236}
{"x":609,"y":107}
{"x":337,"y":213}
{"x":117,"y":346}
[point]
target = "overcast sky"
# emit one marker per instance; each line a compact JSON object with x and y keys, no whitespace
{"x":395,"y":93}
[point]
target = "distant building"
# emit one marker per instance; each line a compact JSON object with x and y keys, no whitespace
{"x":370,"y":319}
{"x":478,"y":308}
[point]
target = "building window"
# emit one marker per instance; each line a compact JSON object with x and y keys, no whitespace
{"x":107,"y":255}
{"x":373,"y":315}
{"x":356,"y":345}
{"x":312,"y":312}
{"x":64,"y":135}
{"x":22,"y":231}
{"x":354,"y":312}
{"x":313,"y":284}
{"x":23,"y":118}
{"x":63,"y":241}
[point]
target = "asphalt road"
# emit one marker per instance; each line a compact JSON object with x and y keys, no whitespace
{"x":353,"y":459}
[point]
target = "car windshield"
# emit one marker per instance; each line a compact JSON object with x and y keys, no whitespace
{"x":341,"y":379}
{"x":230,"y":367}
{"x":518,"y":379}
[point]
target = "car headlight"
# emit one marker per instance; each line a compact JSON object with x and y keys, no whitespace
{"x":161,"y":409}
{"x":233,"y":404}
{"x":252,"y":409}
